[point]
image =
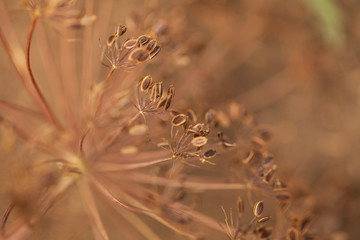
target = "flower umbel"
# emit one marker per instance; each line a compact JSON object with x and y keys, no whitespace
{"x":117,"y":139}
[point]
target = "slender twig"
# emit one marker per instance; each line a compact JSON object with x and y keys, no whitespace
{"x":101,"y":95}
{"x":7,"y":105}
{"x":6,"y":215}
{"x":43,"y":102}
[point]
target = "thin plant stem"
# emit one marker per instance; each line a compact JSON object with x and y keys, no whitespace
{"x":43,"y":102}
{"x":6,"y":215}
{"x":101,"y":95}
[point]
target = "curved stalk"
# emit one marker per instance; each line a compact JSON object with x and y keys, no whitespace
{"x":101,"y":95}
{"x":43,"y":102}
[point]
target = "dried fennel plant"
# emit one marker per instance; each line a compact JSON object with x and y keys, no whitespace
{"x":119,"y":141}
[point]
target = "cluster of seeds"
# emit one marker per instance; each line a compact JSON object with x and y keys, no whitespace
{"x":151,"y":97}
{"x":189,"y":139}
{"x":242,"y":230}
{"x":129,"y":53}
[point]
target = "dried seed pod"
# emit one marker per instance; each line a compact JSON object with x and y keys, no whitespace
{"x":110,"y":40}
{"x":171,"y":91}
{"x":258,"y":208}
{"x":146,"y":83}
{"x":180,"y":195}
{"x":263,"y":232}
{"x":227,"y":143}
{"x":168,"y":102}
{"x":209,"y":116}
{"x":130,"y":43}
{"x":120,"y":30}
{"x":264,"y":219}
{"x":196,"y":128}
{"x":223,"y":119}
{"x":151,"y":45}
{"x":199,"y":141}
{"x":210,"y":153}
{"x":136,"y":54}
{"x":267,"y":159}
{"x":283,"y":196}
{"x":257,"y":142}
{"x":178,"y":120}
{"x":305,"y":223}
{"x":292,"y":234}
{"x":161,"y":102}
{"x":191,"y":115}
{"x":155,"y":52}
{"x":249,"y":157}
{"x":269,"y":175}
{"x":240,"y":206}
{"x":143,"y":57}
{"x":156,"y":92}
{"x":173,"y":113}
{"x":144,"y":39}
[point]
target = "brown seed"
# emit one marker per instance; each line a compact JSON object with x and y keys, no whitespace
{"x":143,"y":57}
{"x":258,"y":208}
{"x":151,"y":45}
{"x":120,"y":30}
{"x":292,"y":234}
{"x":263,"y":232}
{"x":130,"y":43}
{"x":144,"y":39}
{"x":269,"y":175}
{"x":267,"y":159}
{"x":146,"y":83}
{"x":228,"y":143}
{"x":240,"y":206}
{"x":249,"y":157}
{"x":168,"y":102}
{"x":257,"y":142}
{"x":209,"y":116}
{"x":110,"y":40}
{"x":136,"y":54}
{"x":191,"y":115}
{"x":283,"y":196}
{"x":210,"y":153}
{"x":199,"y":141}
{"x":162,"y":102}
{"x":196,"y":128}
{"x":155,"y":52}
{"x":264,"y":219}
{"x":178,"y":120}
{"x":304,"y":223}
{"x":171,"y":90}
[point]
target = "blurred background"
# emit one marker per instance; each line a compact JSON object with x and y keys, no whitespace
{"x":293,"y":64}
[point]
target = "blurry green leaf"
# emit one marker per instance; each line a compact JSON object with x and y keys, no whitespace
{"x":330,"y":20}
